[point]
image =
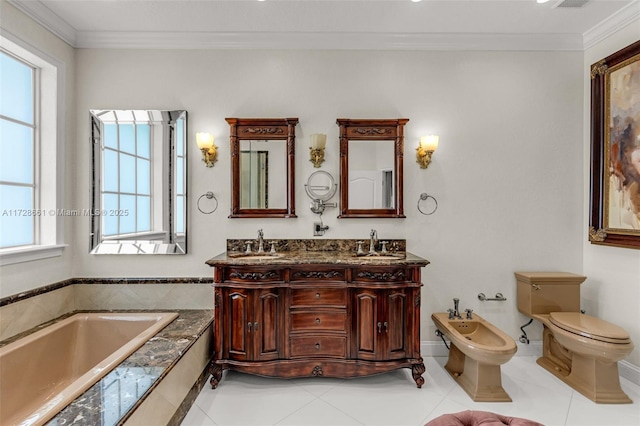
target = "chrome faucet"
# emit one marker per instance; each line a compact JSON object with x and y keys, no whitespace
{"x":373,"y":239}
{"x":455,"y":313}
{"x":260,"y":241}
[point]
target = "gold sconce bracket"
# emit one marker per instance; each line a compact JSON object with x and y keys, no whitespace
{"x":423,"y":157}
{"x":210,"y":155}
{"x":317,"y":156}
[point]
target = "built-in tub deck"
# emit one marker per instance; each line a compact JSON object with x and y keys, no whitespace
{"x":113,"y":399}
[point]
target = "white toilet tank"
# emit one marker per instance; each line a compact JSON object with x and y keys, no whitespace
{"x":546,"y":292}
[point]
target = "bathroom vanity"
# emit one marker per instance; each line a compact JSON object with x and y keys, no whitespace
{"x":315,"y":308}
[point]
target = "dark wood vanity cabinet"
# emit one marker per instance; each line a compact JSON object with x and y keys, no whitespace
{"x":317,"y":320}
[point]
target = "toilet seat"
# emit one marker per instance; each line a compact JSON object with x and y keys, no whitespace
{"x":589,"y":327}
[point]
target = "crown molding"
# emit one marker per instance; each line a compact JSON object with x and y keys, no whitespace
{"x":330,"y":41}
{"x":40,"y":13}
{"x":612,"y":24}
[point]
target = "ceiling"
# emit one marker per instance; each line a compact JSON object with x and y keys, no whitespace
{"x":332,"y":24}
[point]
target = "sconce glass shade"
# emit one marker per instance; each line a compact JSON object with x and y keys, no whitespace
{"x":204,"y":140}
{"x":208,"y":148}
{"x":426,"y":148}
{"x":318,"y":143}
{"x":318,"y":140}
{"x":429,"y":142}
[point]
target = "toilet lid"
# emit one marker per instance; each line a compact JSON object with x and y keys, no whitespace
{"x":588,"y":326}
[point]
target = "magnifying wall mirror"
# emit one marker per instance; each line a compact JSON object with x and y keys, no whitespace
{"x":320,"y":187}
{"x":139,"y":185}
{"x":371,"y":168}
{"x":262,"y":167}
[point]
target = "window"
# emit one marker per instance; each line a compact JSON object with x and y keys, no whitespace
{"x":32,"y":114}
{"x":17,"y":152}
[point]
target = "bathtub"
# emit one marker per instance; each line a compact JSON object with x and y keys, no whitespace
{"x":43,"y":372}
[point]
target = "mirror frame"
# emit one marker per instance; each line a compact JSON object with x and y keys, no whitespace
{"x":371,"y":130}
{"x":259,"y":129}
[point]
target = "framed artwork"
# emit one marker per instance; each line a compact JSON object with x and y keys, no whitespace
{"x":615,"y":149}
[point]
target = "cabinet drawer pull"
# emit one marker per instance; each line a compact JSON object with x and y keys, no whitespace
{"x":317,"y":346}
{"x":379,"y":327}
{"x":386,"y":327}
{"x":249,"y":325}
{"x":255,"y":326}
{"x":317,"y":295}
{"x":317,"y":320}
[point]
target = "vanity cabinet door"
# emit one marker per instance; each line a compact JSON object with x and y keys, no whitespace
{"x":254,"y":324}
{"x":381,"y":324}
{"x":267,"y":325}
{"x":367,"y":334}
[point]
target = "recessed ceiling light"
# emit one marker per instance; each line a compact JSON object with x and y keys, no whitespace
{"x":416,"y":1}
{"x":542,"y":1}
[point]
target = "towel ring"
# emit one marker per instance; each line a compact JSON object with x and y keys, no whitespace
{"x":423,"y":197}
{"x":209,"y":196}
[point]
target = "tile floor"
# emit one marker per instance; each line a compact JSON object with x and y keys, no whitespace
{"x":392,"y":399}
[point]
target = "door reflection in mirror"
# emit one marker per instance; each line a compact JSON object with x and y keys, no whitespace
{"x":371,"y":164}
{"x":262,"y":183}
{"x":139,"y":182}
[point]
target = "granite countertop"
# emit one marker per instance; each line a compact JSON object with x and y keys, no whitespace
{"x":300,"y":252}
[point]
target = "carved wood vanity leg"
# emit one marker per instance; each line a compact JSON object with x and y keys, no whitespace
{"x":418,"y":369}
{"x":216,"y":374}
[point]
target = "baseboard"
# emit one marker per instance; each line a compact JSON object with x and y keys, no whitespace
{"x":627,"y":370}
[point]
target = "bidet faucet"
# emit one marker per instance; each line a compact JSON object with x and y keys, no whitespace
{"x":456,"y":312}
{"x":373,"y":239}
{"x":260,"y":241}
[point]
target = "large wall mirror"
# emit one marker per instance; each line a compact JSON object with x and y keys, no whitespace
{"x":371,"y":168}
{"x":262,"y":167}
{"x":139,"y":188}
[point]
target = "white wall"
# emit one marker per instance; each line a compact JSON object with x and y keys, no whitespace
{"x":612,"y":290}
{"x":507,"y":175}
{"x":25,"y":32}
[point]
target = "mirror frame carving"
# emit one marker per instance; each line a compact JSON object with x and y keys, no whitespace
{"x":369,"y":130}
{"x":259,"y":129}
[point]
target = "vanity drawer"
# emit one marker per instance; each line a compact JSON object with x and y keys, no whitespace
{"x":330,"y":346}
{"x":309,"y":321}
{"x":319,"y":296}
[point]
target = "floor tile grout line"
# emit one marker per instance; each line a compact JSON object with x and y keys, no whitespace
{"x":566,"y":417}
{"x":346,"y":414}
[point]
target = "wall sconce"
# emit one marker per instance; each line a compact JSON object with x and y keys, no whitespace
{"x":424,"y":151}
{"x":208,"y":148}
{"x":318,"y":142}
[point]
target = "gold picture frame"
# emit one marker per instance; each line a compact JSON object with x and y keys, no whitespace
{"x":615,"y":149}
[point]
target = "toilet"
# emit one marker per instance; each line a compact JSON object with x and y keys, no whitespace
{"x":478,"y":348}
{"x":581,"y":350}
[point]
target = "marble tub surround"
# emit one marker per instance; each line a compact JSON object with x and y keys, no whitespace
{"x":22,"y":312}
{"x":299,"y":252}
{"x":115,"y":397}
{"x":71,"y":281}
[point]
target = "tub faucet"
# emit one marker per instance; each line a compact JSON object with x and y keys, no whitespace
{"x":373,"y":239}
{"x":456,"y":312}
{"x":260,"y":241}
